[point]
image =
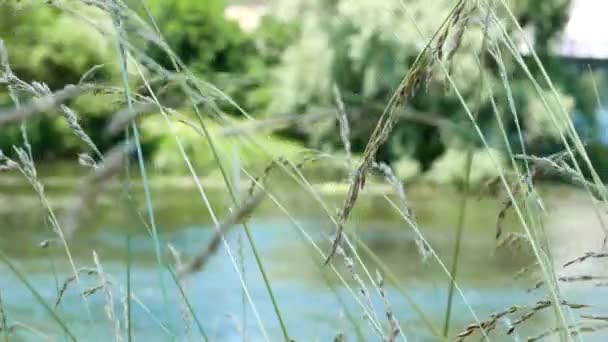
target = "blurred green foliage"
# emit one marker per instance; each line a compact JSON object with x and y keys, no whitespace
{"x":46,"y":45}
{"x":200,"y":35}
{"x":254,"y":152}
{"x":365,"y":47}
{"x":218,"y":51}
{"x":290,"y":63}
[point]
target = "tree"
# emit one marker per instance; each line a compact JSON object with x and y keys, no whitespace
{"x":365,"y":47}
{"x":47,"y":45}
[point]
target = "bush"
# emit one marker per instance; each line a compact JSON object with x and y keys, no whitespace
{"x":201,"y":36}
{"x":406,"y":168}
{"x":449,"y":169}
{"x":55,"y":48}
{"x":168,"y":159}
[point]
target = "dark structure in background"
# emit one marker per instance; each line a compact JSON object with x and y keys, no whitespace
{"x":585,"y":42}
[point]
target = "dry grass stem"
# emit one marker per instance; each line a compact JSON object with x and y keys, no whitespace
{"x":70,"y":279}
{"x":15,"y":326}
{"x":363,"y":291}
{"x":595,"y":317}
{"x":525,"y":270}
{"x":593,"y":255}
{"x":92,"y":290}
{"x":109,"y":299}
{"x":523,"y":186}
{"x":560,"y":166}
{"x":7,"y":164}
{"x":574,"y":331}
{"x":573,"y":279}
{"x":272,"y":124}
{"x":3,"y":319}
{"x":393,"y":329}
{"x":183,"y":305}
{"x":72,"y":119}
{"x":584,"y":277}
{"x":86,"y":193}
{"x":491,"y":323}
{"x":238,"y":215}
{"x":420,"y":73}
{"x":344,"y":126}
{"x":121,"y":119}
{"x":379,"y":136}
{"x":42,"y":104}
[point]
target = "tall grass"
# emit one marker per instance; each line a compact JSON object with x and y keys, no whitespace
{"x":344,"y":259}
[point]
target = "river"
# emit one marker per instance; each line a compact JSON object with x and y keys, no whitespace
{"x":314,"y":303}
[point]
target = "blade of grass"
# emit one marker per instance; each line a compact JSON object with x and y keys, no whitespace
{"x":32,"y":176}
{"x":245,"y":226}
{"x":349,"y":316}
{"x":142,"y":167}
{"x":37,"y":295}
{"x":129,"y":322}
{"x":529,"y":232}
{"x":254,"y":249}
{"x":579,"y":147}
{"x":188,"y":304}
{"x":462,"y":210}
{"x":298,"y":177}
{"x":397,"y":284}
{"x":547,"y":273}
{"x":205,"y":199}
{"x":236,"y":182}
{"x":305,"y":235}
{"x":301,"y":179}
{"x":174,"y":60}
{"x":3,"y":320}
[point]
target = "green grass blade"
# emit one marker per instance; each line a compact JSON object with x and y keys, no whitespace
{"x":397,"y":284}
{"x":142,"y":167}
{"x":129,"y":319}
{"x":254,"y":249}
{"x":37,"y":295}
{"x":3,"y":320}
{"x":459,"y":230}
{"x":190,"y":308}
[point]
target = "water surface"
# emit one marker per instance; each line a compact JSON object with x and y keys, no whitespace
{"x":314,"y":302}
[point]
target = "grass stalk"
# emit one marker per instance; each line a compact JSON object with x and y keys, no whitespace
{"x":398,"y":287}
{"x":205,"y":199}
{"x":142,"y":168}
{"x":175,"y":61}
{"x":462,"y":211}
{"x":198,"y":323}
{"x":548,"y":274}
{"x":38,"y":297}
{"x":3,"y":320}
{"x":129,"y":321}
{"x":306,"y":236}
{"x":579,"y":147}
{"x":250,"y":239}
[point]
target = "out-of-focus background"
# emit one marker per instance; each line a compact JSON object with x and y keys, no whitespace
{"x":289,"y":73}
{"x":279,"y":59}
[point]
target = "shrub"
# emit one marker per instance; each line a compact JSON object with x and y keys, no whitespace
{"x":449,"y":169}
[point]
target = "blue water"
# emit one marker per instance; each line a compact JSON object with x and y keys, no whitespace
{"x":314,"y":303}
